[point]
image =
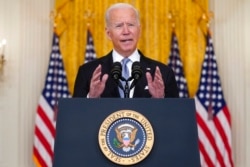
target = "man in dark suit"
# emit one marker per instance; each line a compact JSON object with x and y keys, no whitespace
{"x":123,"y":29}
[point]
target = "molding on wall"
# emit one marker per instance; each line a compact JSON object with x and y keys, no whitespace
{"x":35,"y":51}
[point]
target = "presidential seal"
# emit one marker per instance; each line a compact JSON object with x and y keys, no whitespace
{"x":126,"y":137}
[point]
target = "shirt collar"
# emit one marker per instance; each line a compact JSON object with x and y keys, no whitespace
{"x":135,"y":56}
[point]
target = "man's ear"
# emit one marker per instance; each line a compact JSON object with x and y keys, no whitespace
{"x":140,"y":30}
{"x":107,"y":33}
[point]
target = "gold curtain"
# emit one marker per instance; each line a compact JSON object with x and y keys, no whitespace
{"x":74,"y":17}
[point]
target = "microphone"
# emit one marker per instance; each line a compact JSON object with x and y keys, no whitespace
{"x":136,"y":73}
{"x":116,"y":71}
{"x":136,"y":70}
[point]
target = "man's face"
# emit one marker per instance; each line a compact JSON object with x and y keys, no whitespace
{"x":123,"y":30}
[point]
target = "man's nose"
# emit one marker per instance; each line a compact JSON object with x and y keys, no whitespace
{"x":125,"y":29}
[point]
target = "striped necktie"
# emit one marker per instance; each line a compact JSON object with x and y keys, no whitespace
{"x":125,"y":74}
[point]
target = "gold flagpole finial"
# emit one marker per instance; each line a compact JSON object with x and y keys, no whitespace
{"x":207,"y":17}
{"x":88,"y":15}
{"x":52,"y":17}
{"x":172,"y":18}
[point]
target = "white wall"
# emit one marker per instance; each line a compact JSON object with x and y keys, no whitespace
{"x":26,"y":26}
{"x":231,"y":38}
{"x":246,"y":67}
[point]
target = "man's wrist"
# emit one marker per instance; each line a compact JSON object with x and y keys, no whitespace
{"x":89,"y":96}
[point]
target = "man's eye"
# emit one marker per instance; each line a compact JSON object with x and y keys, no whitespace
{"x":118,"y":25}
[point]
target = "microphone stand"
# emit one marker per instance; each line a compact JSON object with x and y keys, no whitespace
{"x":116,"y":75}
{"x":126,"y":88}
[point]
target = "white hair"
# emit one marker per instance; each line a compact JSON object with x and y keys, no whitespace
{"x":121,"y":6}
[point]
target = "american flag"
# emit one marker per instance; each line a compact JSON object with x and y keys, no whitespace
{"x":90,"y":50}
{"x":56,"y":87}
{"x":213,"y":117}
{"x":176,"y":64}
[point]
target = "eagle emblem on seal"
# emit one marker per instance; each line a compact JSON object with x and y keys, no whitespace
{"x":125,"y":137}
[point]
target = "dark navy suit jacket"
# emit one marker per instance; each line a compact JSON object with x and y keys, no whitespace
{"x":82,"y":82}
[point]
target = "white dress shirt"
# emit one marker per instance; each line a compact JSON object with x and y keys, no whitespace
{"x":135,"y":56}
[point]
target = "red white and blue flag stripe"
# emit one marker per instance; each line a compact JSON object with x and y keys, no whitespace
{"x":213,"y":117}
{"x":55,"y":87}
